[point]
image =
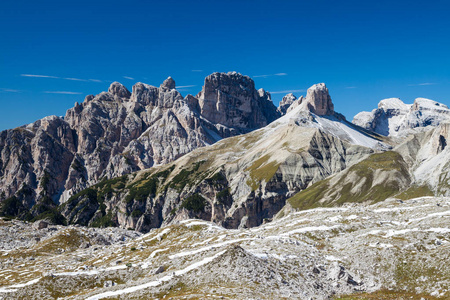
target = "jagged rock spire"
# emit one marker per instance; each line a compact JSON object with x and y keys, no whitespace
{"x":318,"y":100}
{"x":119,"y":90}
{"x":168,"y":84}
{"x":286,"y":102}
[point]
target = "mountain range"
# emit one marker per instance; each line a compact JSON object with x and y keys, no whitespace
{"x":149,"y":194}
{"x":228,"y":155}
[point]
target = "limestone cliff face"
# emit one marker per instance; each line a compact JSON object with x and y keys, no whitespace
{"x":231,"y":100}
{"x":36,"y":157}
{"x":318,"y":100}
{"x":119,"y":132}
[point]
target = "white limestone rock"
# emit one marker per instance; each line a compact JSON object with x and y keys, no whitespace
{"x":395,"y":118}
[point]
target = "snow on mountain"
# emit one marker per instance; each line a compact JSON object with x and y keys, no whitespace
{"x":394,"y":103}
{"x":395,"y":118}
{"x":334,"y":124}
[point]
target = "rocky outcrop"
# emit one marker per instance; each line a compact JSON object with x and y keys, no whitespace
{"x":395,"y":118}
{"x":118,"y":132}
{"x":119,"y":90}
{"x":428,"y":156}
{"x":318,"y":100}
{"x":231,"y":100}
{"x":168,"y":84}
{"x":285,"y":103}
{"x":295,"y":104}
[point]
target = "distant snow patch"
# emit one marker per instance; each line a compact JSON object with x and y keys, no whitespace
{"x":186,"y":253}
{"x":156,"y":282}
{"x":311,"y":228}
{"x":13,"y":288}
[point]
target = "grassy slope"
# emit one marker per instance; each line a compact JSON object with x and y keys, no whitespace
{"x":341,"y":192}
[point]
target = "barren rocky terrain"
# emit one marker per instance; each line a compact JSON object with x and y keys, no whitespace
{"x":395,"y":248}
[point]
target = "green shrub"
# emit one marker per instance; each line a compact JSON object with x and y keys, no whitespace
{"x":45,"y":180}
{"x":365,"y":170}
{"x":53,"y":215}
{"x":223,"y":196}
{"x":136,"y":213}
{"x":11,"y":207}
{"x":195,"y":203}
{"x":183,"y":178}
{"x":78,"y":166}
{"x":142,"y":190}
{"x":164,"y":174}
{"x":105,"y":221}
{"x":217,"y":179}
{"x":180,"y":180}
{"x":25,"y":191}
{"x":90,"y":193}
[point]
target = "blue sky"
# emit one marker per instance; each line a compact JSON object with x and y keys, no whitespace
{"x":363,"y":50}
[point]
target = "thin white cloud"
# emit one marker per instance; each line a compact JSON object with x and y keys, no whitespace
{"x":75,"y":79}
{"x":287,"y":91}
{"x":264,"y":76}
{"x":38,"y":76}
{"x":62,"y":92}
{"x":269,"y":75}
{"x":350,"y":87}
{"x":10,"y":90}
{"x":184,"y":86}
{"x":56,"y":77}
{"x":422,"y":84}
{"x":127,"y":77}
{"x":197,"y":70}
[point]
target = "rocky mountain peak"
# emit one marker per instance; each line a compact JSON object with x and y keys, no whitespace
{"x":119,"y":90}
{"x":289,"y":98}
{"x":286,"y":102}
{"x":264,"y":94}
{"x":393,"y":104}
{"x":231,"y":99}
{"x":168,"y":84}
{"x":89,"y":98}
{"x":430,"y":105}
{"x":394,"y":117}
{"x":227,"y":82}
{"x":318,"y":100}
